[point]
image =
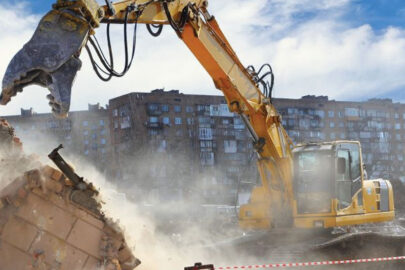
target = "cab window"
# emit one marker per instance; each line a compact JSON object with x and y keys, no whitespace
{"x":346,"y":175}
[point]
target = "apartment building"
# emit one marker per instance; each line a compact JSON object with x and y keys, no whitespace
{"x":179,"y":145}
{"x":379,"y":124}
{"x":83,"y":133}
{"x":166,"y":145}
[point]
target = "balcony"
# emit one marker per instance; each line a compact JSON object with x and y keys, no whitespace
{"x":153,"y":109}
{"x":155,"y":125}
{"x":152,"y":112}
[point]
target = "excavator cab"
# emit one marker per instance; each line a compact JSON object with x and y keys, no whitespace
{"x":330,"y":189}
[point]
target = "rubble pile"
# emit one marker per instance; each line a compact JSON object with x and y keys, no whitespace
{"x":47,"y":223}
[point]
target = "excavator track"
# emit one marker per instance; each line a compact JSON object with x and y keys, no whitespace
{"x":293,"y":246}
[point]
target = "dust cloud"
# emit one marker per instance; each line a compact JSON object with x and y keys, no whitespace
{"x":166,"y":235}
{"x":172,"y":235}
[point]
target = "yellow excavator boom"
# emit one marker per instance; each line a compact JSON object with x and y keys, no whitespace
{"x":51,"y":59}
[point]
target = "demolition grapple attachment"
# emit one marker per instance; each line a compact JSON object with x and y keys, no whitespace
{"x":49,"y":59}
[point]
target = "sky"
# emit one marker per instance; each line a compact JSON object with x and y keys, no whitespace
{"x":346,"y":49}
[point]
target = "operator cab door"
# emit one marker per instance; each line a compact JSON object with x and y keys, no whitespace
{"x":348,"y":173}
{"x":314,"y":179}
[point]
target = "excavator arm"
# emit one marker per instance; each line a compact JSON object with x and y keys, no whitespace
{"x":51,"y":59}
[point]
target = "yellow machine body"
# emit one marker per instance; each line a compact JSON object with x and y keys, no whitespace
{"x":323,"y":196}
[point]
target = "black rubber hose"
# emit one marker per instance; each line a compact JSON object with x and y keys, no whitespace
{"x":109,"y":65}
{"x":97,"y":68}
{"x":263,"y":66}
{"x":178,"y":27}
{"x":152,"y":32}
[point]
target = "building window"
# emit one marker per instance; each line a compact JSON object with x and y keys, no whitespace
{"x":166,"y":120}
{"x":102,"y":132}
{"x":397,"y":126}
{"x":102,"y":123}
{"x":314,"y":123}
{"x":86,"y":132}
{"x":398,"y":137}
{"x":125,"y":122}
{"x":189,"y":109}
{"x":331,"y":114}
{"x":304,"y":123}
{"x":86,"y":142}
{"x":153,"y":107}
{"x":352,"y":112}
{"x":230,"y":146}
{"x":153,"y":119}
{"x":340,"y":114}
{"x":165,"y":108}
{"x":332,"y":124}
{"x":207,"y":158}
{"x":177,"y":120}
{"x":190,"y":121}
{"x":177,"y":108}
{"x":205,"y":144}
{"x":205,"y":134}
{"x":291,"y":122}
{"x":332,"y":135}
{"x":86,"y":152}
{"x":85,"y":123}
{"x":115,"y":112}
{"x":115,"y":124}
{"x":225,"y":121}
{"x":396,"y":115}
{"x":103,"y":141}
{"x":238,"y":123}
{"x":341,"y":124}
{"x":320,"y":113}
{"x":204,"y":120}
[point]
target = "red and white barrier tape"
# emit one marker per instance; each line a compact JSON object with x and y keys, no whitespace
{"x":324,"y":263}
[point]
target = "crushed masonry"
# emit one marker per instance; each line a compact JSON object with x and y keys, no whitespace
{"x":43,"y":227}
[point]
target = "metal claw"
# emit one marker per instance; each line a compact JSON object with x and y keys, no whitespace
{"x":49,"y":59}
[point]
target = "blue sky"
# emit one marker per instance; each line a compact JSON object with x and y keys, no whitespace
{"x":377,"y":13}
{"x":346,"y":49}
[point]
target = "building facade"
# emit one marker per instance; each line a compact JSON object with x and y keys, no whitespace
{"x":166,"y":145}
{"x":179,"y":145}
{"x":83,"y":133}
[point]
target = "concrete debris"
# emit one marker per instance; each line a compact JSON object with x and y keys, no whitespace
{"x":43,"y":228}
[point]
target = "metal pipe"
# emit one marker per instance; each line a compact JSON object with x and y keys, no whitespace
{"x":249,"y":127}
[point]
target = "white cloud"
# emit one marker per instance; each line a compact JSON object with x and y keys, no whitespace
{"x":313,"y":50}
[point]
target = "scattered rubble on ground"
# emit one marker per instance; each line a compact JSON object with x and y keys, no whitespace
{"x":48,"y":223}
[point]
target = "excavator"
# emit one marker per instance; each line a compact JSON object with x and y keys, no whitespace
{"x":309,"y":187}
